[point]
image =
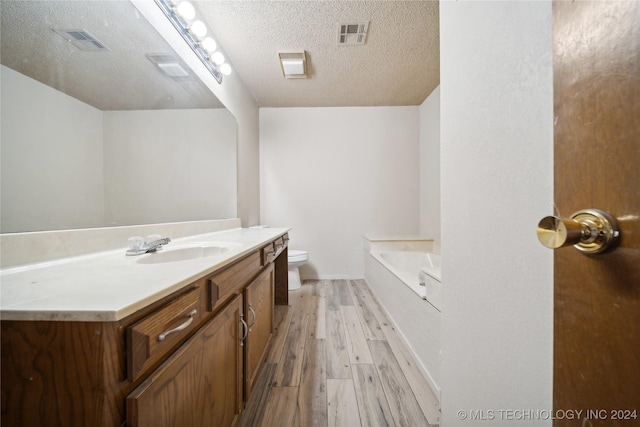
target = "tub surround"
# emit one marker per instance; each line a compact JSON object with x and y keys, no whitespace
{"x":108,"y":286}
{"x":388,"y":243}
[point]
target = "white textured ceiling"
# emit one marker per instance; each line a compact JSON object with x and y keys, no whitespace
{"x":398,"y":65}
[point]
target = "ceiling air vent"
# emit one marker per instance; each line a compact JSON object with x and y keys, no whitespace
{"x":82,"y":40}
{"x":352,"y":34}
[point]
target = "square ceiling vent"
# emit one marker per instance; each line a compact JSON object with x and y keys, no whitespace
{"x":354,"y":33}
{"x":294,"y":64}
{"x":81,"y":39}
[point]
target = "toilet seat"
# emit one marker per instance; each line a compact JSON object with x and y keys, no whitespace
{"x":297,"y":255}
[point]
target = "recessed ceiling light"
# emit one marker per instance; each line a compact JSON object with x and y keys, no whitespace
{"x":293,"y":64}
{"x":169,"y":65}
{"x":173,"y":69}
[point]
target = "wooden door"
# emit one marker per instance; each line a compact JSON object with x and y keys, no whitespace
{"x":259,"y":306}
{"x":201,"y":384}
{"x":597,"y":165}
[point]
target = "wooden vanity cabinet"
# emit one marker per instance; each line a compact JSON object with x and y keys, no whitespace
{"x":258,"y":313}
{"x":200,"y":384}
{"x":72,"y":373}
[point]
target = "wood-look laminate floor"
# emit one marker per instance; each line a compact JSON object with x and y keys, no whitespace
{"x":336,"y":360}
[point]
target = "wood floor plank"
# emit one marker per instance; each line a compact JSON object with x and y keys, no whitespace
{"x":303,"y":298}
{"x":372,"y":402}
{"x":374,"y":306}
{"x":290,"y":363}
{"x":254,"y":410}
{"x":332,"y":296}
{"x":327,"y":389}
{"x":338,"y":365}
{"x":405,"y":409}
{"x":343,"y":293}
{"x":342,"y":405}
{"x":282,"y":408}
{"x":320,"y":288}
{"x":312,"y":397}
{"x":282,"y":320}
{"x":321,"y":308}
{"x":356,"y":342}
{"x":426,"y":399}
{"x":370,"y":325}
{"x":311,"y":306}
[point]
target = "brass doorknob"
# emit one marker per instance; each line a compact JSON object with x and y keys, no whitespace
{"x":590,"y":231}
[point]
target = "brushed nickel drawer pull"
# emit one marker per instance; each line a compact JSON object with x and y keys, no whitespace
{"x":254,"y":317}
{"x":182,"y":327}
{"x":245,"y":330}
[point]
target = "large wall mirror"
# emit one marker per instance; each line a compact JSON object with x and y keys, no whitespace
{"x":104,"y":125}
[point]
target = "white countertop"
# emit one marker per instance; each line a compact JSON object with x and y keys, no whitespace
{"x":109,"y":286}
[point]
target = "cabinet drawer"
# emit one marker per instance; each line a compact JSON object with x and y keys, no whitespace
{"x":268,"y":253}
{"x":152,"y":338}
{"x":231,"y":280}
{"x":274,"y":249}
{"x":200,"y":384}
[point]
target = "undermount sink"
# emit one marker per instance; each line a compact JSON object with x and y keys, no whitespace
{"x":186,"y":252}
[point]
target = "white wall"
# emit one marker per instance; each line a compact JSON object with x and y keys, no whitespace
{"x":334,"y":174}
{"x":169,"y":165}
{"x":430,"y":165}
{"x":56,"y":133}
{"x":497,"y":182}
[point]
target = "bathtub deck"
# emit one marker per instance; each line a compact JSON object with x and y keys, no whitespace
{"x":335,"y":360}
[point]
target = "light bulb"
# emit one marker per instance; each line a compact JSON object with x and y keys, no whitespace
{"x":225,"y":69}
{"x":209,"y":45}
{"x":198,"y":29}
{"x":218,"y":58}
{"x":186,"y":10}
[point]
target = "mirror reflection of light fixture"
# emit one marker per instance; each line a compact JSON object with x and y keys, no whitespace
{"x":186,"y":10}
{"x":217,"y":58}
{"x":198,"y":29}
{"x":209,"y":44}
{"x":225,"y":69}
{"x":182,"y":15}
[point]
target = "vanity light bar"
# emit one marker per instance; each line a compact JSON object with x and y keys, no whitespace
{"x":182,"y":17}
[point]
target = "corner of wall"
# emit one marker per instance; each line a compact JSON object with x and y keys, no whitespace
{"x":430,"y":165}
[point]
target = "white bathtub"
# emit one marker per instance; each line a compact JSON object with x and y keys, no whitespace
{"x":393,"y":276}
{"x":419,"y":271}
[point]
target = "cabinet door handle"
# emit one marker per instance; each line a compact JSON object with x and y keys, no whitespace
{"x":182,"y":327}
{"x":254,"y":317}
{"x":245,"y":330}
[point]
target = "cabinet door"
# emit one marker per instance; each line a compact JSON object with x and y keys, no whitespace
{"x":258,"y":313}
{"x":201,"y":384}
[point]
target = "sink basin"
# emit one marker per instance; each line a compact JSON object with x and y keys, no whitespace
{"x":187,"y":252}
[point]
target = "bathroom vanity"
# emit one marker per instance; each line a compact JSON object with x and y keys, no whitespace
{"x":183,"y":352}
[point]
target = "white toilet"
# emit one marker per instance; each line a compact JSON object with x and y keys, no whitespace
{"x":296,"y":259}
